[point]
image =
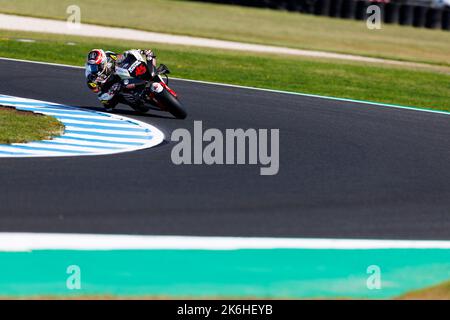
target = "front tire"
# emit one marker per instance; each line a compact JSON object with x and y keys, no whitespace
{"x":172,"y":104}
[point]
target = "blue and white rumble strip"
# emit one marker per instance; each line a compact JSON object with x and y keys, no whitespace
{"x":86,"y":132}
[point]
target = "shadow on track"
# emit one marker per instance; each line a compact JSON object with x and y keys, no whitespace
{"x":129,"y":112}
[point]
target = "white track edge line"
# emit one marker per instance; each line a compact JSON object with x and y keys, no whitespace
{"x":19,"y":242}
{"x":260,"y":89}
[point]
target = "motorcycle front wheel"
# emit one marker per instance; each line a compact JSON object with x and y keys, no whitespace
{"x":172,"y":104}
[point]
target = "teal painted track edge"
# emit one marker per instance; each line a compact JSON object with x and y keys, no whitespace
{"x":273,"y":273}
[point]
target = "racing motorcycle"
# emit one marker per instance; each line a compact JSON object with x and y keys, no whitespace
{"x":144,"y":87}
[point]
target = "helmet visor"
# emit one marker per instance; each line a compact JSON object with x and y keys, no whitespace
{"x":93,"y":68}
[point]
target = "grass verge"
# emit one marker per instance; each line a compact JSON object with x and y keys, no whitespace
{"x":23,"y":126}
{"x":386,"y":84}
{"x":238,"y":23}
{"x":438,"y":292}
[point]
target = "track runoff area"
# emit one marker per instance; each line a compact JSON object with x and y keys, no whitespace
{"x":65,"y":264}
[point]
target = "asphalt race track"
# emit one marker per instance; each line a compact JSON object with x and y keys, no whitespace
{"x":347,"y":170}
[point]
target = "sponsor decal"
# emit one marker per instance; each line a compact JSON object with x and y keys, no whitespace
{"x":140,"y":70}
{"x":133,"y":66}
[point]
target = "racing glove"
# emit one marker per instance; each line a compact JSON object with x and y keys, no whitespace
{"x":92,"y":84}
{"x":148,"y":54}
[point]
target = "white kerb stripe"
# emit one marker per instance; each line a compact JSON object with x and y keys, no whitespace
{"x":106,"y":131}
{"x":100,"y":124}
{"x":62,"y":147}
{"x":105,"y":139}
{"x":90,"y":143}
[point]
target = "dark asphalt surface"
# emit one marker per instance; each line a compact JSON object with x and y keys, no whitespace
{"x":347,"y":170}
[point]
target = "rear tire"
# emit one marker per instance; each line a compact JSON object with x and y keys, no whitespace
{"x":111,"y":104}
{"x":172,"y":104}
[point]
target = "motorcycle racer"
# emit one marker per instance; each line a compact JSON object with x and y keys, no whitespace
{"x":100,"y":73}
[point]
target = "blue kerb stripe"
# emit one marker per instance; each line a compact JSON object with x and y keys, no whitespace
{"x":50,"y":108}
{"x":48,"y":149}
{"x":58,"y":112}
{"x":14,"y":153}
{"x":61,"y":112}
{"x":77,"y":145}
{"x":103,"y":141}
{"x":37,"y":104}
{"x":111,"y":135}
{"x":93,"y":126}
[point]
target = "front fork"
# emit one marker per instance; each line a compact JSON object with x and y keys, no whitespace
{"x":155,"y":89}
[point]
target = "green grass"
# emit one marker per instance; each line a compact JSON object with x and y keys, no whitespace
{"x":22,"y":126}
{"x":251,"y":25}
{"x":315,"y":76}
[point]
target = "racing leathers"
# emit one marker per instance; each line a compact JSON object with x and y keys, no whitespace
{"x":107,"y":84}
